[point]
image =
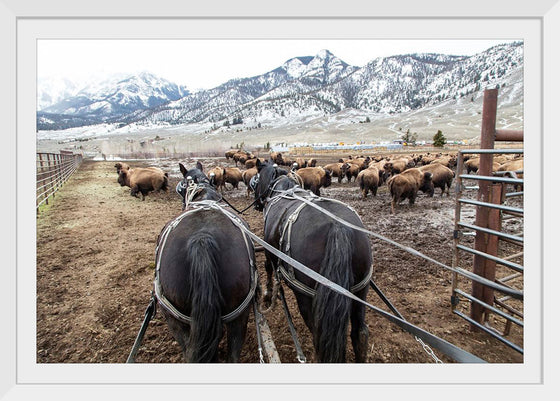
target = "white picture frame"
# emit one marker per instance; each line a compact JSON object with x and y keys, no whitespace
{"x":24,"y":21}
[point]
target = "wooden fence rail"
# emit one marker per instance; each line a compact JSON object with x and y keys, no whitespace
{"x":53,"y":170}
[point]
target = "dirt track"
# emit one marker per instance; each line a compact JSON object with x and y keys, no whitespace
{"x":95,"y":266}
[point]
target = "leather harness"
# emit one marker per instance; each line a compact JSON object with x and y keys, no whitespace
{"x":158,"y":291}
{"x":287,"y":272}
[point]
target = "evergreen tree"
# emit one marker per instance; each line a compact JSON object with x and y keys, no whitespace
{"x":439,"y":139}
{"x":409,"y":138}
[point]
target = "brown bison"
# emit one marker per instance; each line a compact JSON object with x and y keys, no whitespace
{"x":253,"y":162}
{"x":144,"y":180}
{"x":276,"y":157}
{"x":242,"y":156}
{"x":121,"y":166}
{"x":350,"y":170}
{"x":246,"y":176}
{"x":446,"y":160}
{"x":312,"y":163}
{"x":287,"y":161}
{"x":514,"y":169}
{"x":427,"y":158}
{"x":383,"y":174}
{"x":473,"y":165}
{"x":314,"y":178}
{"x":301,"y":163}
{"x":368,"y":180}
{"x":501,"y":158}
{"x":361,"y":162}
{"x":230,"y":153}
{"x":513,"y":166}
{"x":218,"y":177}
{"x":407,"y":184}
{"x":442,"y":176}
{"x":397,"y":166}
{"x":335,"y":170}
{"x":233,"y":176}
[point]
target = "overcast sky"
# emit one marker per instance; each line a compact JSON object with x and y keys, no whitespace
{"x":208,"y":63}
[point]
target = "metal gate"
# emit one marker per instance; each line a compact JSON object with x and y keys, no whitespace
{"x":495,"y":237}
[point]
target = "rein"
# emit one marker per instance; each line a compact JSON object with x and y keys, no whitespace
{"x":449,"y":349}
{"x":512,"y":292}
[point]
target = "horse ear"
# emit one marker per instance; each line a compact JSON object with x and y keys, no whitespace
{"x":199,"y":166}
{"x":258,"y":163}
{"x":183,"y":169}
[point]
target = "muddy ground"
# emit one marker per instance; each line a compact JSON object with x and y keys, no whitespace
{"x":95,"y":268}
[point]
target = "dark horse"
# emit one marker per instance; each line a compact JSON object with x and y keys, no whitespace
{"x":335,"y":251}
{"x":205,"y":273}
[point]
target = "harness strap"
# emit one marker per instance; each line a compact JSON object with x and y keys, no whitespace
{"x":158,"y":292}
{"x":168,"y":306}
{"x":506,"y":290}
{"x":449,"y":349}
{"x":288,"y":273}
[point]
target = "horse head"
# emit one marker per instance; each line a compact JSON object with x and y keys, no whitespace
{"x":266,"y":174}
{"x":195,"y":180}
{"x":269,"y":177}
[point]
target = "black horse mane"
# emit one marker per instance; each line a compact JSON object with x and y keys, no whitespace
{"x":269,"y":175}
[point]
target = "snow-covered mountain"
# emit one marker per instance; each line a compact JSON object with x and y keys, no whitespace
{"x":108,"y":100}
{"x":303,"y":88}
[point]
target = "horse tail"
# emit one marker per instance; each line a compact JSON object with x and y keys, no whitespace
{"x":331,"y":310}
{"x":206,"y":298}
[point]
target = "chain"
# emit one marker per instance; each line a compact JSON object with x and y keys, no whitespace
{"x":428,"y":350}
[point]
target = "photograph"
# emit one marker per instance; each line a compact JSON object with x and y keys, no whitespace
{"x":372,"y":130}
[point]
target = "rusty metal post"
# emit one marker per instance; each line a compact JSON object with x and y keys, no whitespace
{"x":497,"y":194}
{"x":509,"y":135}
{"x":488,"y":132}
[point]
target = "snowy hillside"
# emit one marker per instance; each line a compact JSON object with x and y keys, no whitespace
{"x":304,"y":88}
{"x":113,"y":98}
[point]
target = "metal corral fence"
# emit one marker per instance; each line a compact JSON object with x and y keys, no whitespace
{"x":498,"y":254}
{"x":53,"y":170}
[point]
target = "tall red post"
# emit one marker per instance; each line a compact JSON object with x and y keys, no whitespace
{"x":487,"y":138}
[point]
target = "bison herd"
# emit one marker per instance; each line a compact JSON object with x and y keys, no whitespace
{"x":404,"y":175}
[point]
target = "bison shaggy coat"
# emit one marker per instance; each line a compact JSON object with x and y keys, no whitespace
{"x":473,"y":165}
{"x":335,"y":170}
{"x":233,"y":176}
{"x":314,"y":178}
{"x":350,"y":170}
{"x":143,"y":180}
{"x":368,"y":180}
{"x":442,"y":176}
{"x":407,"y":184}
{"x":218,"y":177}
{"x":247,"y":175}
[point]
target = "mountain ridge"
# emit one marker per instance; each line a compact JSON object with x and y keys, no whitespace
{"x":311,"y":86}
